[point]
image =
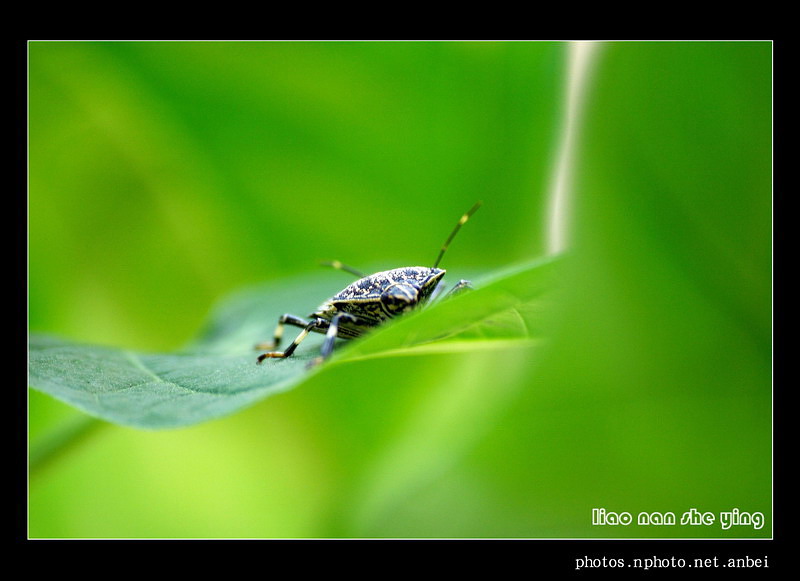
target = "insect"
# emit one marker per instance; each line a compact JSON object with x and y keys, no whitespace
{"x":368,"y":302}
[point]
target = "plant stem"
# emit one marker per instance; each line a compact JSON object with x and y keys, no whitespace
{"x":581,"y":60}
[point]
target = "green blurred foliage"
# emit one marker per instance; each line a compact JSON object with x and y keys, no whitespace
{"x":163,"y":175}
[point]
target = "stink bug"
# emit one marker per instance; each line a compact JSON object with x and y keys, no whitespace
{"x":368,"y":302}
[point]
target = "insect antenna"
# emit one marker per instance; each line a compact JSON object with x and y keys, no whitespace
{"x":461,"y":222}
{"x":339,"y":266}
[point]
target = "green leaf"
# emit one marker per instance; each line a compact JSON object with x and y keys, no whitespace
{"x":216,"y":374}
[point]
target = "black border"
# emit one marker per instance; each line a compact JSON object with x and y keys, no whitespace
{"x":528,"y":557}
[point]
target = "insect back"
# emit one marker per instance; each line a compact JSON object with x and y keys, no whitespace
{"x":386,"y":294}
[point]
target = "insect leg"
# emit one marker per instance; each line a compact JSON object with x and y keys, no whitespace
{"x":286,"y":319}
{"x":339,"y":266}
{"x":461,"y":286}
{"x":289,"y":350}
{"x":330,"y":337}
{"x":333,"y":329}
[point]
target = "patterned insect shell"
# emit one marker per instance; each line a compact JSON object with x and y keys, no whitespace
{"x":378,"y":297}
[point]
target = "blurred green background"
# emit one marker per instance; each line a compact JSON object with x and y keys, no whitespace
{"x":164,"y":175}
